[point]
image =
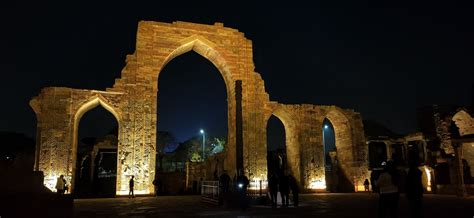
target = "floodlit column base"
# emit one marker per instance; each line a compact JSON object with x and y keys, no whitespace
{"x":135,"y":192}
{"x":318,"y":184}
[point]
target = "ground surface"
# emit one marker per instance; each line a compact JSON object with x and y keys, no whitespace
{"x":312,"y":205}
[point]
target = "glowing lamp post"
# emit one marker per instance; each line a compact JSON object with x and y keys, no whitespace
{"x":324,"y":142}
{"x":203,"y":143}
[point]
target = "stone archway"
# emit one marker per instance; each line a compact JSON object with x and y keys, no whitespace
{"x":133,"y":101}
{"x":90,"y":104}
{"x":292,"y":146}
{"x":343,"y":140}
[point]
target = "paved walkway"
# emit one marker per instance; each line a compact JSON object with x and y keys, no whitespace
{"x":312,"y":205}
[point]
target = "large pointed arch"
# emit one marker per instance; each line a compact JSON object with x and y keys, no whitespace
{"x":88,"y":105}
{"x":206,"y":49}
{"x":291,"y":137}
{"x":344,"y":144}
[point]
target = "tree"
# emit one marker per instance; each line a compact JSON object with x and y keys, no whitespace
{"x":163,"y":140}
{"x":217,"y":146}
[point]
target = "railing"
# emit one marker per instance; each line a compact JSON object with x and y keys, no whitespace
{"x":210,"y":191}
{"x":257,"y":188}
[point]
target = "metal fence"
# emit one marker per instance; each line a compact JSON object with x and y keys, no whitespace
{"x":210,"y":189}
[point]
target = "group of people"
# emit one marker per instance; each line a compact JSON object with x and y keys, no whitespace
{"x":283,"y":184}
{"x":388,"y":184}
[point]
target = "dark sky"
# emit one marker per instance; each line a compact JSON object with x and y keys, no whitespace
{"x":381,"y":60}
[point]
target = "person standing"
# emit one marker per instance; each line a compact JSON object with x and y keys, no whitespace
{"x":284,"y":190}
{"x":66,"y":187}
{"x":294,"y":189}
{"x":388,"y":191}
{"x":156,"y":185}
{"x":242,"y":183}
{"x":131,"y":183}
{"x":273,"y":188}
{"x":414,"y":191}
{"x":366,"y":185}
{"x":224,"y":181}
{"x":60,"y":185}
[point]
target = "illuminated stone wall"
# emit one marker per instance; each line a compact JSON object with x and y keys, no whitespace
{"x":133,"y":101}
{"x":304,"y":142}
{"x":59,"y":111}
{"x":465,"y":123}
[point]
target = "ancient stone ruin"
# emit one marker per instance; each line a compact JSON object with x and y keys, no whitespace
{"x":133,"y":102}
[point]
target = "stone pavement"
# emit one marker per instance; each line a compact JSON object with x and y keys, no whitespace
{"x":312,"y":205}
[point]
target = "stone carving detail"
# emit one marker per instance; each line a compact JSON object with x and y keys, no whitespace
{"x":464,"y":122}
{"x":442,"y":130}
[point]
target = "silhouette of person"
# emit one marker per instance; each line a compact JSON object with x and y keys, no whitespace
{"x":387,"y":183}
{"x":66,"y":188}
{"x":273,"y":188}
{"x":60,"y":185}
{"x":366,"y":185}
{"x":284,"y":190}
{"x":156,"y":184}
{"x":131,"y":183}
{"x":224,"y":181}
{"x":414,"y":190}
{"x":242,"y":183}
{"x":294,"y":189}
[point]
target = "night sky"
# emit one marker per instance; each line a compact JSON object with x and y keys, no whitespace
{"x":381,"y":60}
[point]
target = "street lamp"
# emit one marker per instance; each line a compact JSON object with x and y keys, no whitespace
{"x":203,"y":143}
{"x":324,"y":145}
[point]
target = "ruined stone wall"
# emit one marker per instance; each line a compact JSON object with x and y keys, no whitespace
{"x":464,"y":122}
{"x":136,"y":100}
{"x":133,"y":101}
{"x":304,"y":142}
{"x":58,"y":112}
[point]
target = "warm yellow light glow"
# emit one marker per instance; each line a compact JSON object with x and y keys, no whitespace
{"x":358,"y":185}
{"x":135,"y":192}
{"x":50,"y":182}
{"x":255,"y":184}
{"x":359,"y":188}
{"x":317,"y":184}
{"x":428,"y":178}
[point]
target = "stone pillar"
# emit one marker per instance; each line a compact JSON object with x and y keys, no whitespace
{"x":238,"y":127}
{"x":458,"y":171}
{"x":389,"y":151}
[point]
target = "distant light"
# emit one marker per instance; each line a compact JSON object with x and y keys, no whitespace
{"x":326,"y":126}
{"x":8,"y":158}
{"x":202,"y":131}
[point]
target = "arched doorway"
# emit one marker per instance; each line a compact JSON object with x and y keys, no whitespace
{"x":192,"y":96}
{"x":339,"y":132}
{"x":276,"y":147}
{"x":330,"y":161}
{"x":95,"y":150}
